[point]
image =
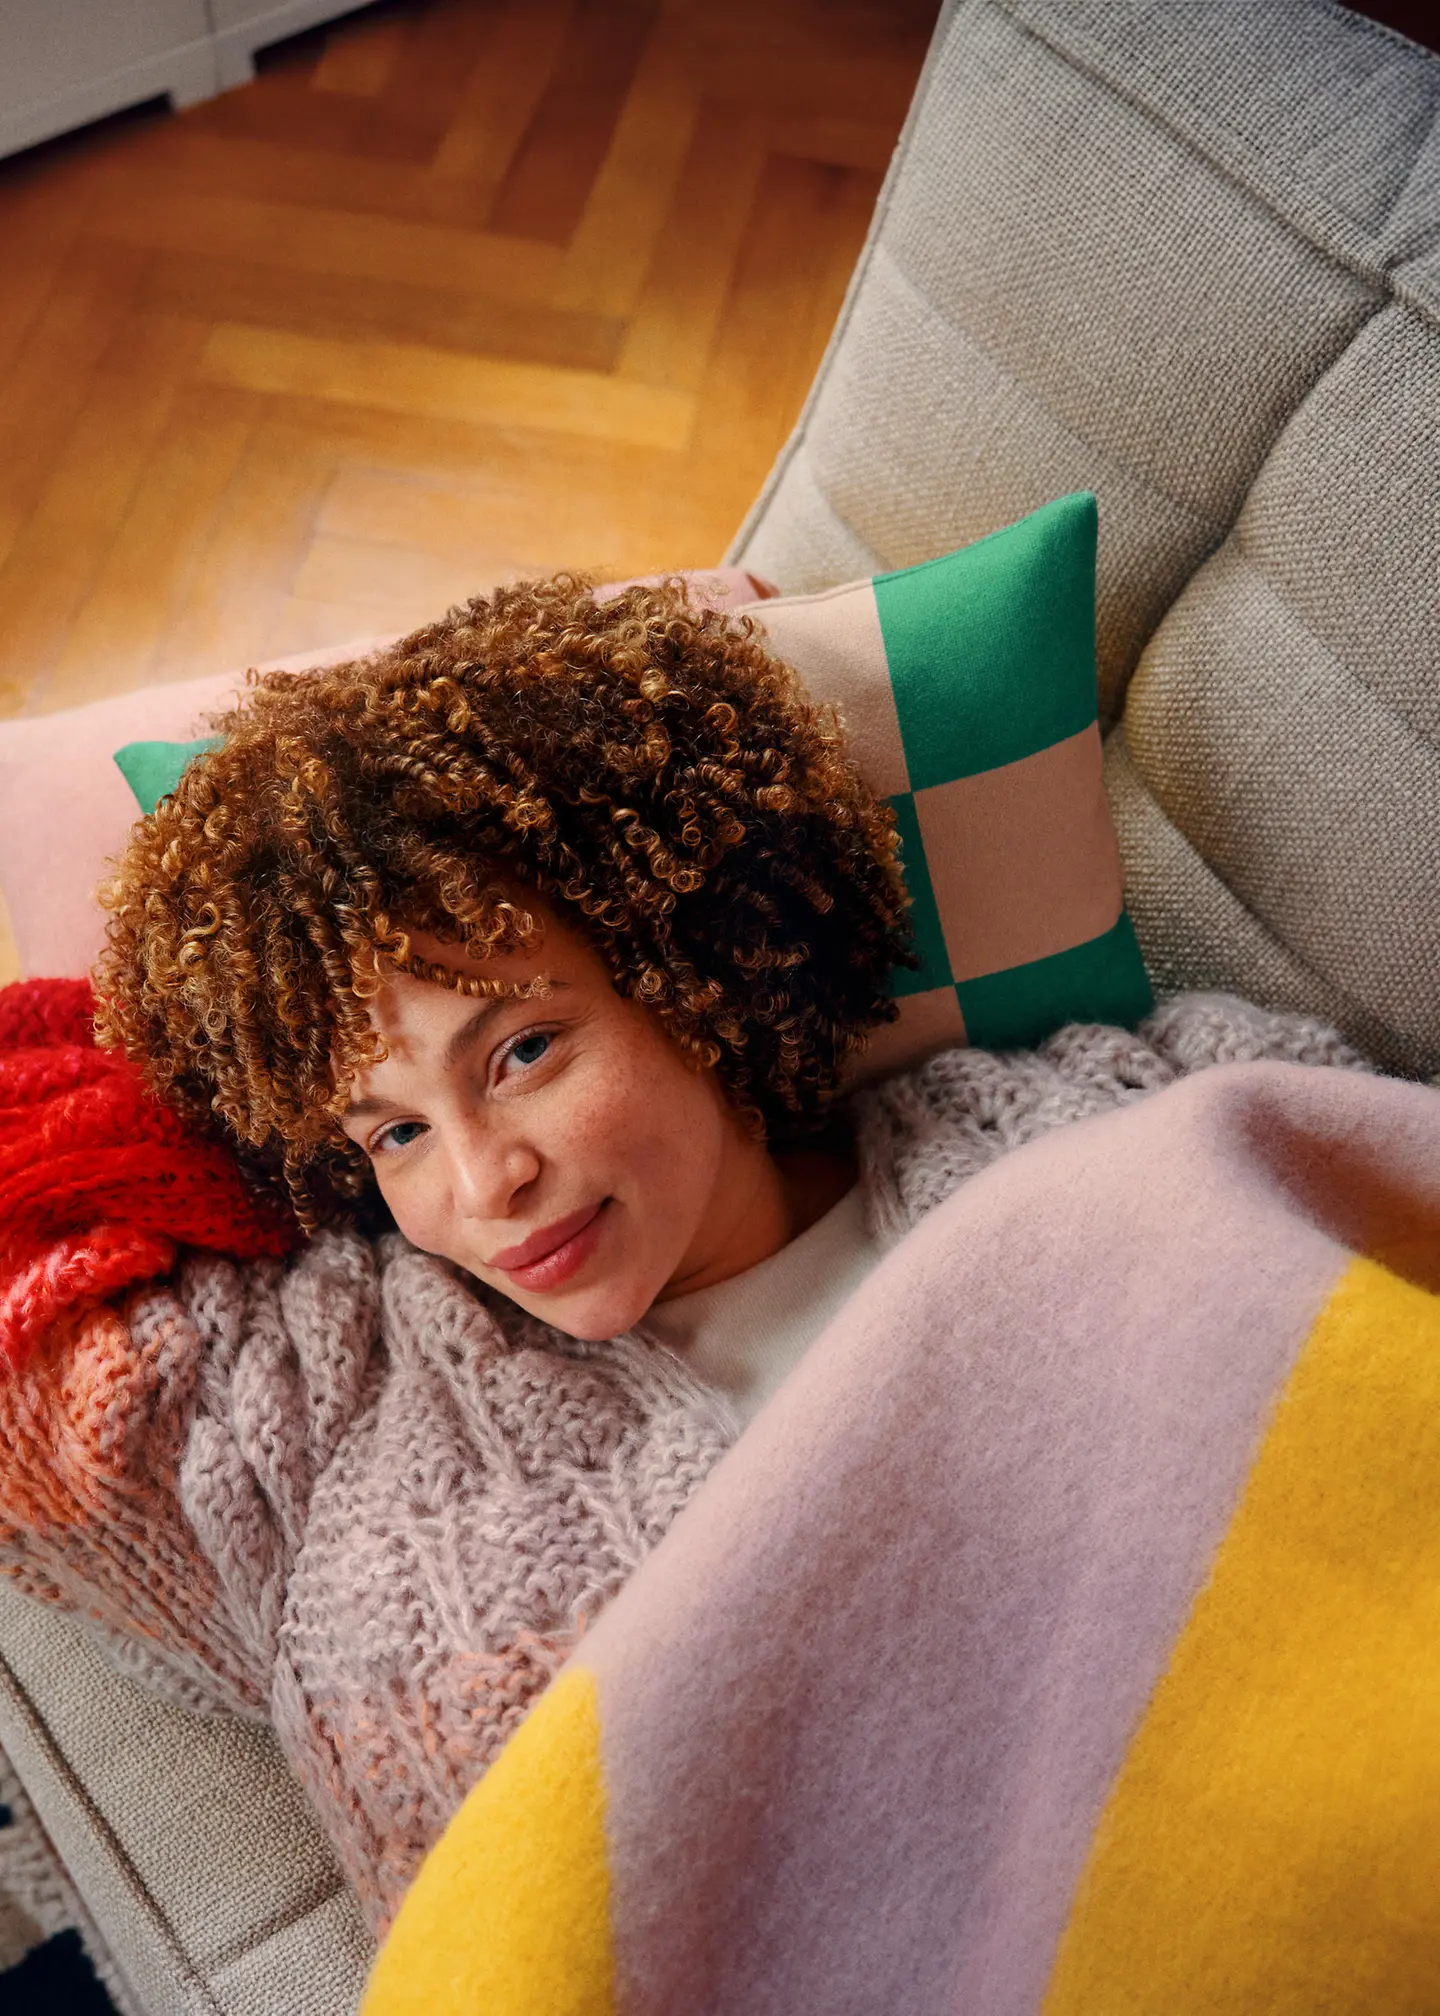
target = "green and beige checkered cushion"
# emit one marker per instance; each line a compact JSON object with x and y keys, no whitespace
{"x":968,"y":687}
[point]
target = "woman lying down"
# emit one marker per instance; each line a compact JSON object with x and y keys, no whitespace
{"x":550,"y":934}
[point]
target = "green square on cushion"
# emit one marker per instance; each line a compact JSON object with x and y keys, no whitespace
{"x":992,"y":649}
{"x":1101,"y":981}
{"x":153,"y":769}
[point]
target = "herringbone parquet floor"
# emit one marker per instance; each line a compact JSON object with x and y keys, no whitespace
{"x":457,"y":290}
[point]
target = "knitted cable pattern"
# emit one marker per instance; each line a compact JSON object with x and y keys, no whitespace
{"x":379,"y":1504}
{"x":922,"y":1134}
{"x":414,"y":1498}
{"x":93,"y":1426}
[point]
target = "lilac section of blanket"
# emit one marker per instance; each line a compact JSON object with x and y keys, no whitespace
{"x":886,"y":1681}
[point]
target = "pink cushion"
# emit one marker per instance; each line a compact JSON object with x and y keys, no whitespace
{"x":65,"y":809}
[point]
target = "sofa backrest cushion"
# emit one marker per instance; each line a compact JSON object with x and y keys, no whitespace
{"x":1188,"y":258}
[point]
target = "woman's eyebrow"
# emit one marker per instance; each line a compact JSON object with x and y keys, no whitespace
{"x":471,"y":1027}
{"x":459,"y":1043}
{"x":365,"y":1109}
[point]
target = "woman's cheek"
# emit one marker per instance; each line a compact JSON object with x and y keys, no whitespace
{"x":594,"y":1119}
{"x":412,"y":1209}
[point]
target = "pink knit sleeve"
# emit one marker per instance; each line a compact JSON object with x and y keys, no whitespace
{"x":101,"y":1381}
{"x":287,"y":1354}
{"x":157,"y":1459}
{"x":92,"y":1429}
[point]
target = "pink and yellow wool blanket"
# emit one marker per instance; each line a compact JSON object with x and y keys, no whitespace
{"x":1064,"y":1637}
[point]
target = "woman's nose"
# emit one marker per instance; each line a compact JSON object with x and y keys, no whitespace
{"x":487,"y":1176}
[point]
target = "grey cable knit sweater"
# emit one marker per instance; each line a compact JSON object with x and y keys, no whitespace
{"x":376,"y":1504}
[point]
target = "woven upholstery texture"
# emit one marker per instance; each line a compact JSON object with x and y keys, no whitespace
{"x":211,"y":1902}
{"x":1189,"y":258}
{"x":1286,"y":716}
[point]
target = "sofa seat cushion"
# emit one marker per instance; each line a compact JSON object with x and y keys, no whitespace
{"x":189,"y":1839}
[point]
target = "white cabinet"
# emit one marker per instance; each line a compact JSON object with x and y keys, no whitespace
{"x":240,"y":27}
{"x":65,"y":62}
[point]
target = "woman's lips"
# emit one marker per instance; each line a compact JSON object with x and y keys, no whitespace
{"x":552,"y":1255}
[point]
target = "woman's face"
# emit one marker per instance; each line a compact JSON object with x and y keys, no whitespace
{"x":559,"y":1147}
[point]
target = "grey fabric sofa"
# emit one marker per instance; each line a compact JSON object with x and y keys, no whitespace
{"x":1187,"y":255}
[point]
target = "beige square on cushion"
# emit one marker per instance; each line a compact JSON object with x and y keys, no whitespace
{"x":1023,"y":857}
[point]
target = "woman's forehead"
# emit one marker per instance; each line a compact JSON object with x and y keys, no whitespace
{"x":409,"y":1006}
{"x":552,"y":942}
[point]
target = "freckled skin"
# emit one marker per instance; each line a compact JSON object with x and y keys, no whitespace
{"x":555,"y":1105}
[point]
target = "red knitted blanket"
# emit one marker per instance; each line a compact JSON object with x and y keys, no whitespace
{"x":99,"y":1183}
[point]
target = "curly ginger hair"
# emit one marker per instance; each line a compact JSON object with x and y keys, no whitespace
{"x":643,"y":766}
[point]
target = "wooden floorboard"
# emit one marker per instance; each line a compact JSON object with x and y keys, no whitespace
{"x":565,"y":146}
{"x":455,"y":291}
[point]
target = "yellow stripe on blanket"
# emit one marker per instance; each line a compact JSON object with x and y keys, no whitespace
{"x":1269,"y":1843}
{"x":510,"y":1914}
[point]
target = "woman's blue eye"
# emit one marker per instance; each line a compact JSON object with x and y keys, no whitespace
{"x":401,"y":1134}
{"x":530,"y":1049}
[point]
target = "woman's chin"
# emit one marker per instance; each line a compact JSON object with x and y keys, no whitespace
{"x":592,"y":1315}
